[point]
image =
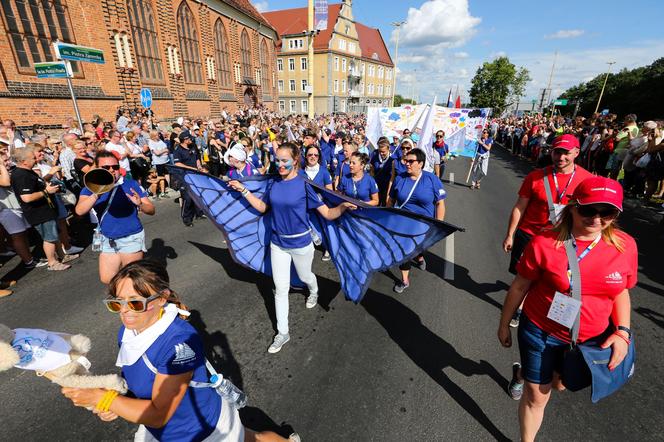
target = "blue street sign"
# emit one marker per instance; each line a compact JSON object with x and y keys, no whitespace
{"x":146,"y":98}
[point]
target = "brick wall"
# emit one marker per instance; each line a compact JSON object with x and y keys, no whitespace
{"x":102,"y":89}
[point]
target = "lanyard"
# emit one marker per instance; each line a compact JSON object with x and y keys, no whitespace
{"x":581,"y":256}
{"x":555,"y":182}
{"x":417,"y":181}
{"x":381,"y":162}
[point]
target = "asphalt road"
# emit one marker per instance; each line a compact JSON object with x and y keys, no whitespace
{"x":421,"y":366}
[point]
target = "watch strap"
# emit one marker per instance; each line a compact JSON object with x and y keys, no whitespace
{"x":627,"y":330}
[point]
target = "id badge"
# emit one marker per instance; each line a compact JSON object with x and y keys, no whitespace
{"x":564,"y":309}
{"x":557,"y":211}
{"x":96,"y":241}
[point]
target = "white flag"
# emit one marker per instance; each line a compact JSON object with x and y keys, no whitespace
{"x":291,"y":137}
{"x":331,"y":126}
{"x":426,"y":137}
{"x":374,"y":127}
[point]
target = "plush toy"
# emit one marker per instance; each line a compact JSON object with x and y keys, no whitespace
{"x":58,"y":357}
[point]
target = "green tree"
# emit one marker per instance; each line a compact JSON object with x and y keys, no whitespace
{"x":399,"y":100}
{"x":498,"y":83}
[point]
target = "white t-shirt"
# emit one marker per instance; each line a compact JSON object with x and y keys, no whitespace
{"x":120,"y":149}
{"x":157,"y":146}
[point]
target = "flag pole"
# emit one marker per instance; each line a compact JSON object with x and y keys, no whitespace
{"x":472,"y":163}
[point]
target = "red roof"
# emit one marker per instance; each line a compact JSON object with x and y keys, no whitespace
{"x":249,"y":9}
{"x":294,"y":21}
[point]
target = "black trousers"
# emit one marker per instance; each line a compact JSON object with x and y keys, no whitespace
{"x":521,"y":240}
{"x":189,"y":209}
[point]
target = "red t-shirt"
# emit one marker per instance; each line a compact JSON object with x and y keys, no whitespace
{"x":605,"y":273}
{"x":536,"y":216}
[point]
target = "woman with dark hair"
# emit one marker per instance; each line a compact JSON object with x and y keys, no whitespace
{"x":289,"y":199}
{"x":607,"y":261}
{"x":481,"y":161}
{"x":313,"y":169}
{"x":163,"y":361}
{"x":357,"y":184}
{"x":416,"y":191}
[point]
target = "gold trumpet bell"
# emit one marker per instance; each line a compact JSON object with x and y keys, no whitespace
{"x":99,"y":181}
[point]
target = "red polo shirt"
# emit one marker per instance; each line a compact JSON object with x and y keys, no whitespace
{"x":536,"y":216}
{"x":605,"y":273}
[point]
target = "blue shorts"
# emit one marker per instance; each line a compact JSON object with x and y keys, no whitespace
{"x":541,"y":353}
{"x":48,"y":231}
{"x":127,"y":244}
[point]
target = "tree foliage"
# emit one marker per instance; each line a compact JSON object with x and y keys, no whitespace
{"x":399,"y":100}
{"x":497,"y":83}
{"x":639,"y":91}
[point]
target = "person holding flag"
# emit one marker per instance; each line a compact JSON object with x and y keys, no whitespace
{"x":480,"y":164}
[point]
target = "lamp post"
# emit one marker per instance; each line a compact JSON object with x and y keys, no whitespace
{"x":396,"y":24}
{"x":310,"y":56}
{"x":599,"y":100}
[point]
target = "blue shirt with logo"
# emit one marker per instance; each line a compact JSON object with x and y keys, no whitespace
{"x":423,"y":201}
{"x":289,"y":201}
{"x":178,"y":350}
{"x":361,"y":189}
{"x":122,"y":217}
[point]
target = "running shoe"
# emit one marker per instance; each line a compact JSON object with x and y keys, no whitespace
{"x":73,"y":250}
{"x":399,"y":287}
{"x":312,"y":300}
{"x":164,"y":195}
{"x":515,"y":388}
{"x":422,"y":265}
{"x":294,"y":438}
{"x":278,"y":342}
{"x":326,"y":256}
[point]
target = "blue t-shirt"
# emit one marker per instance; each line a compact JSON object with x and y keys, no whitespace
{"x":322,"y":177}
{"x":399,"y":167}
{"x":122,"y":218}
{"x":382,"y":169}
{"x":360,"y":190}
{"x":255,"y":160}
{"x":442,"y":150}
{"x":327,"y":152}
{"x":342,"y":168}
{"x":481,"y":150}
{"x":423,"y":201}
{"x":178,"y":350}
{"x":249,"y":170}
{"x":289,"y":201}
{"x":188,"y":157}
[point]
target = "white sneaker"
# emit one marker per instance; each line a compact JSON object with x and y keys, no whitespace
{"x":278,"y":342}
{"x":312,"y":300}
{"x":73,"y":250}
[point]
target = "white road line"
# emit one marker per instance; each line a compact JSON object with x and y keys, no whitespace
{"x":451,"y":177}
{"x":448,"y":272}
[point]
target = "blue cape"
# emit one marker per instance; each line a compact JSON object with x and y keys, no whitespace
{"x":361,"y":242}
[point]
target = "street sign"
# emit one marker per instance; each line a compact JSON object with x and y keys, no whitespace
{"x":146,"y":98}
{"x":562,"y":102}
{"x":66,"y":51}
{"x":56,"y":69}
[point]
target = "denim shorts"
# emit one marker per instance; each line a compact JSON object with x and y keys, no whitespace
{"x":48,"y":231}
{"x":127,"y":244}
{"x":541,"y":353}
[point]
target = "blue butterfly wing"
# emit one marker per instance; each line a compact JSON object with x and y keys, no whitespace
{"x":372,"y":239}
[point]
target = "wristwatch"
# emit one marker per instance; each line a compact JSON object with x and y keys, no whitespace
{"x":626,"y":330}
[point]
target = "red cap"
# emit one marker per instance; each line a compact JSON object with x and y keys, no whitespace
{"x":567,"y":142}
{"x":598,"y":190}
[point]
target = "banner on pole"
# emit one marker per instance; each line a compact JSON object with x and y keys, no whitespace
{"x":462,"y":127}
{"x":320,"y":15}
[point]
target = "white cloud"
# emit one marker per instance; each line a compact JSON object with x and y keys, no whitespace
{"x":565,"y":33}
{"x":461,"y":55}
{"x":498,"y":54}
{"x":260,"y":6}
{"x":446,"y":23}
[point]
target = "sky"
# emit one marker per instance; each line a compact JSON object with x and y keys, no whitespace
{"x":444,"y":42}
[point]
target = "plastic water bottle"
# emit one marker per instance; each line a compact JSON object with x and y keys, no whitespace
{"x":229,"y":391}
{"x":315,"y":237}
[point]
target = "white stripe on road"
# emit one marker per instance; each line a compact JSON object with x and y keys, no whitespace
{"x":448,"y":272}
{"x":451,"y":177}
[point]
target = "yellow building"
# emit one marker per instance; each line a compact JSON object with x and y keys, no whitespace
{"x":352,"y":66}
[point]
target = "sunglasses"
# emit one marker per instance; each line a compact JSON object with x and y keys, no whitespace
{"x":439,"y":136}
{"x":112,"y":166}
{"x":410,"y":162}
{"x":312,"y":155}
{"x":114,"y":305}
{"x":606,"y":213}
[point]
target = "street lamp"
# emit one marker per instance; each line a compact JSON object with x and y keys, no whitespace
{"x":396,"y":24}
{"x":610,"y":63}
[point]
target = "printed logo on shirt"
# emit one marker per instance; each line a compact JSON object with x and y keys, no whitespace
{"x":614,"y":278}
{"x":183,"y":354}
{"x":441,"y":192}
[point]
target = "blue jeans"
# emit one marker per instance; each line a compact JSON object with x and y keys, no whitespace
{"x":541,"y":353}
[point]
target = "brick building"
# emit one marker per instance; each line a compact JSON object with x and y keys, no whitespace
{"x":352,"y":66}
{"x":197,"y":57}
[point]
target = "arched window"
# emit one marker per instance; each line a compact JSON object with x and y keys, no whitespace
{"x":222,"y":54}
{"x":144,"y":34}
{"x":245,"y":49}
{"x":189,"y":45}
{"x":265,"y":67}
{"x":33,"y":26}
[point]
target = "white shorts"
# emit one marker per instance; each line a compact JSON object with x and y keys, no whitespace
{"x":13,"y":221}
{"x":228,"y":429}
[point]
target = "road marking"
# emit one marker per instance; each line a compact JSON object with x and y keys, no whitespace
{"x":451,"y":177}
{"x":448,"y":273}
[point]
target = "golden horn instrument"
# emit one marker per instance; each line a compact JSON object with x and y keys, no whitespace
{"x":99,"y":181}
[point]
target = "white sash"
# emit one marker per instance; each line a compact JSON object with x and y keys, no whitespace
{"x":417,"y":181}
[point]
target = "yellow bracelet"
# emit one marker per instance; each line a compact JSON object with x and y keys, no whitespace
{"x":105,"y":402}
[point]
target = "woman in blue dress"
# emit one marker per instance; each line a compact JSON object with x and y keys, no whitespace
{"x":236,"y":158}
{"x":253,"y":155}
{"x":420,"y":192}
{"x":405,"y":146}
{"x":382,"y":169}
{"x":314,"y":169}
{"x":289,"y":199}
{"x":343,"y":160}
{"x":357,"y":184}
{"x":481,"y":161}
{"x":163,"y":361}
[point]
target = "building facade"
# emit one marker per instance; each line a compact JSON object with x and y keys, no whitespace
{"x":352,"y":66}
{"x":196,"y":57}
